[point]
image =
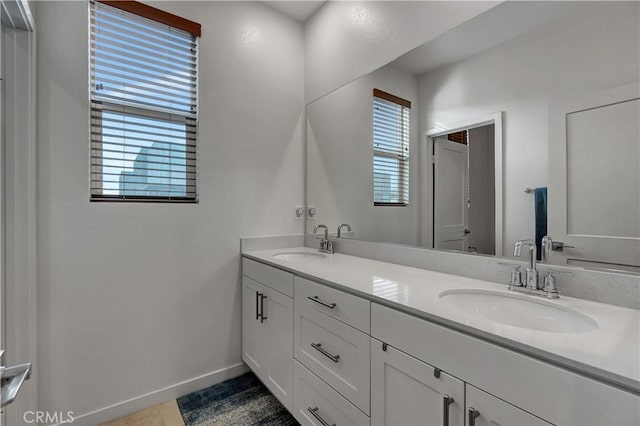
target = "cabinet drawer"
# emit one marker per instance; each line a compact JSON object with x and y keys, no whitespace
{"x":335,"y":352}
{"x":313,"y":397}
{"x":271,"y":277}
{"x":345,"y":307}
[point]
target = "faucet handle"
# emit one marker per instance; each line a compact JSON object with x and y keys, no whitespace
{"x":516,"y":274}
{"x":550,"y":286}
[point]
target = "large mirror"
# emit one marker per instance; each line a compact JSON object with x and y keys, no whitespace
{"x":520,"y":123}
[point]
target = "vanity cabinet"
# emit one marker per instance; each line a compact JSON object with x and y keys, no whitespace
{"x":407,"y":391}
{"x":554,"y":394}
{"x":267,"y":333}
{"x":335,"y":358}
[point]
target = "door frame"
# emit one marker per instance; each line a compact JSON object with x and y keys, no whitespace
{"x":19,"y":195}
{"x":426,"y":163}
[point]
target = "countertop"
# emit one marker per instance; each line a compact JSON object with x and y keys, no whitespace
{"x":610,"y":353}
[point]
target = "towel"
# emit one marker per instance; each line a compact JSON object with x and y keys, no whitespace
{"x":540,"y":197}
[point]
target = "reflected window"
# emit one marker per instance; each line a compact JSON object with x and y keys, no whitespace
{"x":144,"y":80}
{"x":390,"y":149}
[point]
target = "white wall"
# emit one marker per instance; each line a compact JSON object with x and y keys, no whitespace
{"x":587,"y":51}
{"x":345,"y":40}
{"x":137,"y":297}
{"x":340,"y":160}
{"x":482,"y":189}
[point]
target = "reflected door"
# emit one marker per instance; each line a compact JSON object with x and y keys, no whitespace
{"x":594,"y":180}
{"x":450,"y":195}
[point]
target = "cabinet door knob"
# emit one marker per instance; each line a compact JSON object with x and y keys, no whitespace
{"x":446,"y":402}
{"x":473,"y":414}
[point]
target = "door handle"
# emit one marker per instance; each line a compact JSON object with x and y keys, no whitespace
{"x":446,"y":402}
{"x":14,"y":377}
{"x":262,"y":317}
{"x":257,"y":305}
{"x":467,"y":231}
{"x":559,"y":246}
{"x":472,"y":415}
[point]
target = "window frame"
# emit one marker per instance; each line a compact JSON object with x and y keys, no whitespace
{"x":97,"y":106}
{"x":403,"y":160}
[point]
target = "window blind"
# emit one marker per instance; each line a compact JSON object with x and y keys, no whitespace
{"x":390,"y":150}
{"x":144,"y":108}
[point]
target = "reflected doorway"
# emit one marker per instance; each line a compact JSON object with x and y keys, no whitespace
{"x":464,"y":187}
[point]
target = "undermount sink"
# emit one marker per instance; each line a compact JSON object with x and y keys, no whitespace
{"x":520,"y":311}
{"x":299,"y":255}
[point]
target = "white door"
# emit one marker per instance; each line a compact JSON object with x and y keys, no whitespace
{"x":594,"y":179}
{"x":17,"y":211}
{"x":450,"y":195}
{"x":11,"y":376}
{"x":484,"y":409}
{"x":277,"y":315}
{"x":407,"y":392}
{"x":253,"y":347}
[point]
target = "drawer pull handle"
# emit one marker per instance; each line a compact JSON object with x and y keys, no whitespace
{"x":323,"y":303}
{"x":446,"y":402}
{"x":319,"y":348}
{"x":314,"y":413}
{"x":473,"y":414}
{"x":262,"y":317}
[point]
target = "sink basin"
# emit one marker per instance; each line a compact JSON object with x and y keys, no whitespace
{"x":520,"y":311}
{"x":299,"y":255}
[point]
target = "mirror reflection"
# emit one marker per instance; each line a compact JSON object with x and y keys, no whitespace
{"x":519,"y":124}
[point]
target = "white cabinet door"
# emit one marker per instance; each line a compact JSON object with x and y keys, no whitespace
{"x":406,"y":391}
{"x":253,"y":353}
{"x":277,"y":314}
{"x":484,"y":409}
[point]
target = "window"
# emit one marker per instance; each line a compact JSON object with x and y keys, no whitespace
{"x":390,"y":149}
{"x":144,"y":103}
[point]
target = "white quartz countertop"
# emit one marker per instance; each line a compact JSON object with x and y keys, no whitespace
{"x":610,"y":353}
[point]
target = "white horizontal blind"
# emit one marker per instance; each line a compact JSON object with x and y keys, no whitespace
{"x":390,"y":153}
{"x":144,"y":92}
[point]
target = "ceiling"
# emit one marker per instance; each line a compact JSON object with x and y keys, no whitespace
{"x":497,"y":25}
{"x":299,"y":10}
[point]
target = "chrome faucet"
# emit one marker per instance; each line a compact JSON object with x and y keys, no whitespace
{"x":531,"y":280}
{"x":547,"y":246}
{"x":326,"y":246}
{"x":342,"y":226}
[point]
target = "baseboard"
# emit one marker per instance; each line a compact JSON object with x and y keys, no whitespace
{"x":150,"y":399}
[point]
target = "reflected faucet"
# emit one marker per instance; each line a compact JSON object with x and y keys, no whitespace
{"x":342,"y":226}
{"x":326,"y":246}
{"x":547,"y":246}
{"x":532,"y":274}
